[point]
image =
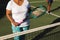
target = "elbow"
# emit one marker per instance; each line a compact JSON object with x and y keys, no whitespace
{"x":8,"y":13}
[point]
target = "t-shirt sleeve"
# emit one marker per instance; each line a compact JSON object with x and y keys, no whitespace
{"x":9,"y":6}
{"x":27,"y":4}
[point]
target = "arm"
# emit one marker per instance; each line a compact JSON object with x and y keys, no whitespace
{"x":8,"y":14}
{"x":46,"y":0}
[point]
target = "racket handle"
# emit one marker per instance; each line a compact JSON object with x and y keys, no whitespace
{"x":20,"y":22}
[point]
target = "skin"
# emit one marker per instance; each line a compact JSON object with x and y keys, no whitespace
{"x":8,"y":12}
{"x":49,"y":6}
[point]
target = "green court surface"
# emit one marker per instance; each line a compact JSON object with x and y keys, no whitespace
{"x":47,"y":34}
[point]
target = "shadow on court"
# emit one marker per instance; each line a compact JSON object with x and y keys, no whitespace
{"x":3,"y":4}
{"x":2,"y":13}
{"x":43,"y":34}
{"x":55,"y":9}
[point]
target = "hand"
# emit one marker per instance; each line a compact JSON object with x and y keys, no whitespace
{"x":15,"y":24}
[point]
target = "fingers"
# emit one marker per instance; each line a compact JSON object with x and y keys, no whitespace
{"x":15,"y":24}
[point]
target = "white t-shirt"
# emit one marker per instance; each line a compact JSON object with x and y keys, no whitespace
{"x":19,"y":12}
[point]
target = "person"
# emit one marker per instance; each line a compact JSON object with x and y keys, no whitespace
{"x":17,"y":13}
{"x":49,"y":5}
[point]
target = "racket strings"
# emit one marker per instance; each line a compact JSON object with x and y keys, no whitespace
{"x":37,"y":12}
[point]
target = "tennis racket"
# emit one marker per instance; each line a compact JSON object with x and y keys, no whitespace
{"x":38,"y":11}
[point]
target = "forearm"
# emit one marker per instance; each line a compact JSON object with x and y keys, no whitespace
{"x":10,"y":18}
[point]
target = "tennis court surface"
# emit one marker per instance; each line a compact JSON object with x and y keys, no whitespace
{"x":47,"y":19}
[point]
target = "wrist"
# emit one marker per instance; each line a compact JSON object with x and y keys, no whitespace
{"x":12,"y":21}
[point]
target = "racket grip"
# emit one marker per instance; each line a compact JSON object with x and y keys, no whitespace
{"x":20,"y":22}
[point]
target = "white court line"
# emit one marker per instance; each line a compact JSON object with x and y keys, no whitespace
{"x":55,"y":15}
{"x":50,"y":13}
{"x":37,"y":1}
{"x":29,"y":31}
{"x":41,"y":1}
